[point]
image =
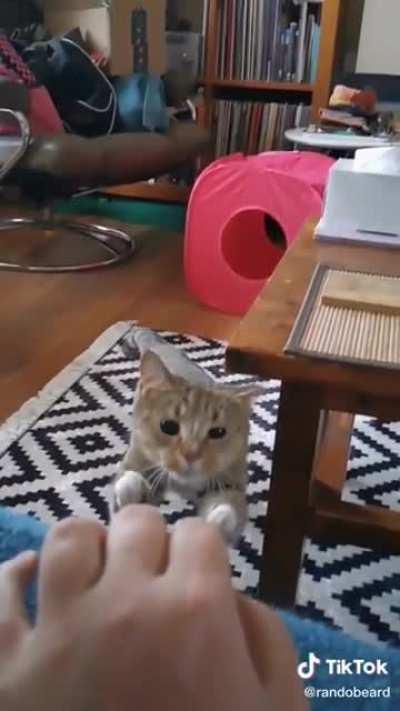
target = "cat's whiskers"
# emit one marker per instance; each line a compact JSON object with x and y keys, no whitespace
{"x":158,"y":481}
{"x":221,"y":486}
{"x":156,"y":477}
{"x":154,"y":472}
{"x":154,"y":484}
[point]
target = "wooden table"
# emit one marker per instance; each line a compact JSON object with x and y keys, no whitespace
{"x":313,"y":434}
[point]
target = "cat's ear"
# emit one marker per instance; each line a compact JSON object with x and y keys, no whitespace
{"x":245,"y":393}
{"x":153,"y":373}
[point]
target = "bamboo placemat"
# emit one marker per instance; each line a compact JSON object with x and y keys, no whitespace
{"x":345,"y":335}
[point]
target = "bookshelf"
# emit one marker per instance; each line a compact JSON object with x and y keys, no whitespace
{"x":259,"y":85}
{"x":314,"y":94}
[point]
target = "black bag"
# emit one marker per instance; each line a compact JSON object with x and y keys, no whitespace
{"x":83,"y":95}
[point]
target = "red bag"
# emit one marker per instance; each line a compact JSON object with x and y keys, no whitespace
{"x":43,"y":116}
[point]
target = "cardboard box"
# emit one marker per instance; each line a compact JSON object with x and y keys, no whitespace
{"x":94,"y":24}
{"x":114,"y":32}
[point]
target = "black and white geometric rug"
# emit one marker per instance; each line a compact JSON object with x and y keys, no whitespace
{"x":58,"y":452}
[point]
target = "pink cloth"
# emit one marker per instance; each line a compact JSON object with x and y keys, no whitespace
{"x":228,"y":254}
{"x":43,"y":117}
{"x":14,"y":64}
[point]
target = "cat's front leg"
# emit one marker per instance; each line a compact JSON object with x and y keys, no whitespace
{"x":227,"y":511}
{"x":129,"y":488}
{"x":137,"y":481}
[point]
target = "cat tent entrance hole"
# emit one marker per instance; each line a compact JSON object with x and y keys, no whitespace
{"x":243,"y":212}
{"x":268,"y":243}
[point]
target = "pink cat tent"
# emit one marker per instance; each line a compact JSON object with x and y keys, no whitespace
{"x":243,"y":213}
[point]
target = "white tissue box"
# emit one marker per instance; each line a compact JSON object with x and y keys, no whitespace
{"x":361,"y":204}
{"x":382,"y":161}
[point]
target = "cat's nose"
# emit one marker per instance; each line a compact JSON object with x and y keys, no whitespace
{"x":191,"y":455}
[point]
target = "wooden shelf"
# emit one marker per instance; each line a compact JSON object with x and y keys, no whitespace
{"x":158,"y":192}
{"x":253,"y":85}
{"x":316,"y":94}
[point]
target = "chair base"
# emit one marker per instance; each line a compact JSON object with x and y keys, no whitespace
{"x":117,"y":245}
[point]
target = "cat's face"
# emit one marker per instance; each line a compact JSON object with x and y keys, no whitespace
{"x":193,"y":433}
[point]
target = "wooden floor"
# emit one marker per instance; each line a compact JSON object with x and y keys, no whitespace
{"x":48,"y":319}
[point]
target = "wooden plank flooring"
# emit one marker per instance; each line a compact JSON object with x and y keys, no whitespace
{"x":48,"y":319}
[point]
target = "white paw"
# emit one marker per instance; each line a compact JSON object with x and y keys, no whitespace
{"x":129,"y":489}
{"x":224,"y":517}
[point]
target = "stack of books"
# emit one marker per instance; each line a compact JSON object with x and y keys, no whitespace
{"x":250,"y":127}
{"x":270,"y":40}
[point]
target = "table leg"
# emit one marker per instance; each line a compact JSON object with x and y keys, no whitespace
{"x":287,"y":516}
{"x":331,"y":462}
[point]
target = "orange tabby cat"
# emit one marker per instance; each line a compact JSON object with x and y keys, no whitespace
{"x":190,"y":435}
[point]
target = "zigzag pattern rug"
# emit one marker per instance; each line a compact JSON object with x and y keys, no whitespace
{"x":58,"y":452}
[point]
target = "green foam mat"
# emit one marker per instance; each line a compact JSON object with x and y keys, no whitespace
{"x":137,"y":212}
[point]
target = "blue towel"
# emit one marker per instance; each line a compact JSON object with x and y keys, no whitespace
{"x":19,"y":533}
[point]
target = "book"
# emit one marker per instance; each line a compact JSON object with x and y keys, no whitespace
{"x":268,"y":40}
{"x":301,"y":57}
{"x":254,"y":127}
{"x":293,"y":40}
{"x":314,"y":52}
{"x":206,"y":8}
{"x":276,"y":40}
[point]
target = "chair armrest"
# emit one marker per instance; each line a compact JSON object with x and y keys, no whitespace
{"x":60,"y":165}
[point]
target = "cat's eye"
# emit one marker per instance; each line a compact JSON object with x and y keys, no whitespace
{"x":170,"y":427}
{"x":217,"y":433}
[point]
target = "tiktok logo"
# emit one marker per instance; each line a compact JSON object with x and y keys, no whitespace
{"x":306,"y":670}
{"x":343,"y":667}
